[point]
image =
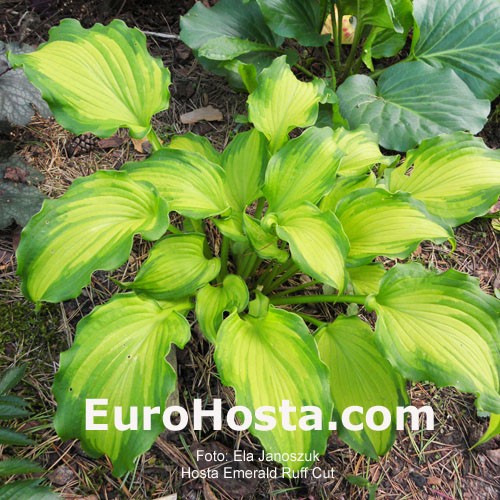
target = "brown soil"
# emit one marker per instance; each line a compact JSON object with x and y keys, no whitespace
{"x":422,"y":465}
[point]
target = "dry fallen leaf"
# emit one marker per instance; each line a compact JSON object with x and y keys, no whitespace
{"x":208,"y":113}
{"x":111,"y":142}
{"x":141,"y":145}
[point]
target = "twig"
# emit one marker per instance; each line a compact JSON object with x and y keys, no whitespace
{"x":162,"y":35}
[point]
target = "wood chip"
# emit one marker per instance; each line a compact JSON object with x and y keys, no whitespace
{"x":111,"y":142}
{"x":208,"y":113}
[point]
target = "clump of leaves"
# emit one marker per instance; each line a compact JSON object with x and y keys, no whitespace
{"x":13,"y":407}
{"x":19,"y":197}
{"x":443,"y":85}
{"x":326,"y":204}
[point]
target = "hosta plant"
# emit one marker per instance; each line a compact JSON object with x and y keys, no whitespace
{"x":322,"y":205}
{"x":442,"y":86}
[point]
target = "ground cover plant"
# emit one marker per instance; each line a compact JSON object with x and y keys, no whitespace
{"x":280,"y":213}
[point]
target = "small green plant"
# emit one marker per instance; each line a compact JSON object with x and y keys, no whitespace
{"x":13,"y":407}
{"x":443,"y":85}
{"x":325,"y":204}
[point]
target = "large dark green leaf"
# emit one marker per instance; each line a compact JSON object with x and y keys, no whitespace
{"x":412,"y":101}
{"x":464,"y":36}
{"x":299,"y":19}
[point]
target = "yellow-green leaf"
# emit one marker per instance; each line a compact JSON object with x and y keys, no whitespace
{"x":344,"y":186}
{"x":119,"y":355}
{"x":99,"y":79}
{"x":89,"y":228}
{"x":271,"y":359}
{"x":380,"y":223}
{"x":303,"y":170}
{"x":317,"y":242}
{"x":176,"y":268}
{"x":492,"y":431}
{"x":456,"y":176}
{"x":365,"y":280}
{"x":196,"y":144}
{"x":264,"y":242}
{"x":442,"y":328}
{"x":281,"y":102}
{"x":360,"y":376}
{"x":213,"y":301}
{"x":193,"y":185}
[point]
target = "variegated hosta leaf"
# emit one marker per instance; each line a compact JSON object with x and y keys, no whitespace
{"x":244,"y":161}
{"x":303,"y":170}
{"x":456,"y":176}
{"x":98,"y":79}
{"x":317,"y":242}
{"x":231,"y":226}
{"x":196,"y":144}
{"x":281,"y":102}
{"x":176,"y":268}
{"x":89,"y":228}
{"x":442,"y":328}
{"x":271,"y":359}
{"x":380,"y":223}
{"x":344,"y":186}
{"x":264,"y":242}
{"x":360,"y":376}
{"x":365,"y":280}
{"x":213,"y":301}
{"x":119,"y":355}
{"x":191,"y":184}
{"x":361,"y":151}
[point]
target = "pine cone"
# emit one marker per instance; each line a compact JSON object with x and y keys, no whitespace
{"x":81,"y":145}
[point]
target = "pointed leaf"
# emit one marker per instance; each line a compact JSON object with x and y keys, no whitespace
{"x":380,"y":223}
{"x":119,"y":355}
{"x":29,"y":488}
{"x":11,"y":377}
{"x":457,"y":177}
{"x":213,"y":301}
{"x":9,"y":411}
{"x":11,"y":466}
{"x":317,"y":242}
{"x":192,"y":185}
{"x":441,"y":328}
{"x":245,"y":160}
{"x":411,"y":101}
{"x":196,"y":144}
{"x":264,"y":242}
{"x":365,"y":280}
{"x":8,"y":436}
{"x":269,"y":360}
{"x":299,"y":19}
{"x":360,"y":376}
{"x":292,"y":178}
{"x":281,"y":102}
{"x":492,"y":431}
{"x":361,"y":151}
{"x":464,"y":36}
{"x":176,"y":268}
{"x":98,"y":80}
{"x":90,"y":227}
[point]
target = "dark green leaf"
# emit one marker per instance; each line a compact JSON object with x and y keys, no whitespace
{"x":8,"y":436}
{"x":12,"y":466}
{"x":11,"y":377}
{"x":29,"y":490}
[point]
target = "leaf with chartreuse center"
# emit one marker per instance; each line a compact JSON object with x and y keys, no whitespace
{"x":365,"y":280}
{"x":91,"y":227}
{"x":269,"y":360}
{"x":317,"y":242}
{"x":196,"y":144}
{"x":303,"y":170}
{"x":492,"y":431}
{"x":176,"y":268}
{"x":344,"y":186}
{"x":213,"y":301}
{"x":119,"y":355}
{"x":192,"y":184}
{"x":99,"y":79}
{"x":442,"y":328}
{"x":397,"y":106}
{"x":281,"y":103}
{"x":360,"y":376}
{"x":361,"y":151}
{"x":381,"y":223}
{"x":244,"y":161}
{"x":464,"y":36}
{"x":456,"y":176}
{"x":264,"y":242}
{"x":299,"y":19}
